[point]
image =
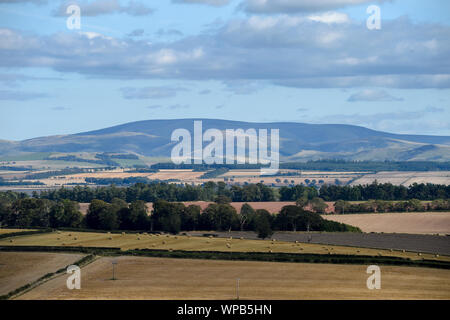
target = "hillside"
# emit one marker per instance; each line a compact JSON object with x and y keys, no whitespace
{"x":298,"y":141}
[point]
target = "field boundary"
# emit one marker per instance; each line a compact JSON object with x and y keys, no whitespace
{"x":239,"y":256}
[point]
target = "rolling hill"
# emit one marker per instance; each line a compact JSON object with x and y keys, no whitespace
{"x":298,"y":141}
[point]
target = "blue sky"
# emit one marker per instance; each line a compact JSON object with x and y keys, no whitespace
{"x":309,"y":61}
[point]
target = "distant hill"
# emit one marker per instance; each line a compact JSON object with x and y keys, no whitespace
{"x":298,"y":141}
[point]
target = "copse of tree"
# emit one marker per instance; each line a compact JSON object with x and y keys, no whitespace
{"x":263,"y":223}
{"x":221,"y":217}
{"x":167,"y":216}
{"x":296,"y":192}
{"x":247,"y":217}
{"x":133,"y":217}
{"x":295,"y":218}
{"x":102,"y":215}
{"x":65,"y":213}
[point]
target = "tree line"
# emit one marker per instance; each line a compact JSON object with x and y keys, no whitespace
{"x":210,"y":191}
{"x":166,"y":216}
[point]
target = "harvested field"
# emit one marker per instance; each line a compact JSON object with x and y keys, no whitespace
{"x":19,"y":268}
{"x":199,"y":243}
{"x":4,"y":231}
{"x":176,"y":174}
{"x":162,"y":278}
{"x":410,"y":222}
{"x":406,"y":178}
{"x":396,"y":241}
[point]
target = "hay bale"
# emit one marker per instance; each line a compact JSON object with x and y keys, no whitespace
{"x":163,"y":242}
{"x":436,"y":255}
{"x":11,"y":240}
{"x":242,"y":238}
{"x":75,"y":238}
{"x":419,"y":254}
{"x":228,"y":245}
{"x":123,"y":233}
{"x":296,"y":241}
{"x":110,"y":238}
{"x":138,"y":238}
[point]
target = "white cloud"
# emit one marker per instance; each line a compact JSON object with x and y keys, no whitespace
{"x":372,"y":95}
{"x":330,"y":17}
{"x":102,"y":7}
{"x":294,"y":6}
{"x":215,"y":3}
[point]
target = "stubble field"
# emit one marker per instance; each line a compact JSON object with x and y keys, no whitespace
{"x":163,"y":278}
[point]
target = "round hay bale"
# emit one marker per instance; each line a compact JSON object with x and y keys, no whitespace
{"x":123,"y":233}
{"x":242,"y":238}
{"x":11,"y":240}
{"x":163,"y":242}
{"x":110,"y":238}
{"x":296,"y":241}
{"x":436,"y":255}
{"x":139,"y":238}
{"x":419,"y":254}
{"x":75,"y":238}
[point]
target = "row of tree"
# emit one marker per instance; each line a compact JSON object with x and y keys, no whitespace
{"x":166,"y":216}
{"x":210,"y":191}
{"x":344,"y":207}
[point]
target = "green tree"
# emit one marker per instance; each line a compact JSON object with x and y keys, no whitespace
{"x":262,"y":224}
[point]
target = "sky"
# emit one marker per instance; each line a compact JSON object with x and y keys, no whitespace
{"x":312,"y":61}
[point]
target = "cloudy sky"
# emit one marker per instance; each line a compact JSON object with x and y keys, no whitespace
{"x":311,"y":61}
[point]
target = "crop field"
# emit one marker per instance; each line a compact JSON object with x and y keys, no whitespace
{"x":419,"y":243}
{"x":164,"y":278}
{"x":128,"y":241}
{"x":4,"y":231}
{"x":20,"y":268}
{"x":407,"y":222}
{"x":405,"y":178}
